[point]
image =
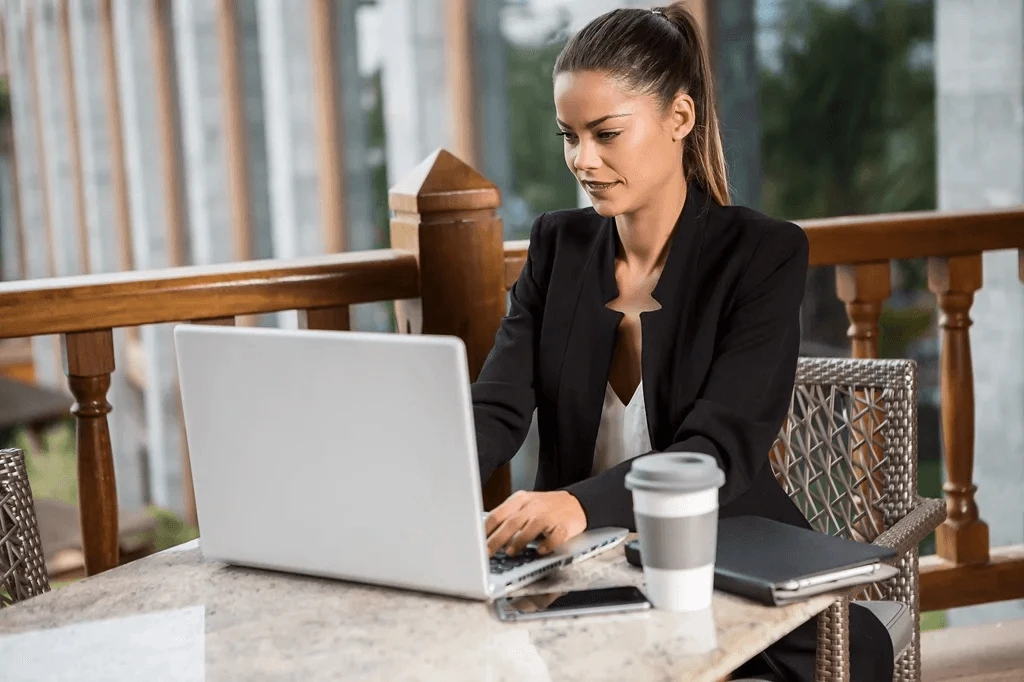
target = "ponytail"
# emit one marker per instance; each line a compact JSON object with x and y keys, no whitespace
{"x":703,"y":156}
{"x":660,"y":51}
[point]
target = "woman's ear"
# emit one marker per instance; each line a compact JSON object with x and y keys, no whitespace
{"x":683,"y":113}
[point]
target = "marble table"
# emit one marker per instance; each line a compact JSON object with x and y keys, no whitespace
{"x":174,"y":616}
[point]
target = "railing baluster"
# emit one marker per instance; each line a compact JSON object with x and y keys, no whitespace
{"x":88,"y":362}
{"x":445,"y":213}
{"x":336,"y":319}
{"x":216,"y":321}
{"x":864,"y":287}
{"x":329,"y":121}
{"x":963,"y":537}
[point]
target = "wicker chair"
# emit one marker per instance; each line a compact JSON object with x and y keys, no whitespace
{"x":22,"y":568}
{"x":847,"y":455}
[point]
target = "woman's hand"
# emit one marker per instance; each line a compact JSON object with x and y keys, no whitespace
{"x":518,"y":521}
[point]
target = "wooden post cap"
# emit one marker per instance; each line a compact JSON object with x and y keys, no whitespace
{"x":443,"y":182}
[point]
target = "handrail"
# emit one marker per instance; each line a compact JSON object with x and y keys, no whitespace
{"x":72,"y":304}
{"x":888,"y":236}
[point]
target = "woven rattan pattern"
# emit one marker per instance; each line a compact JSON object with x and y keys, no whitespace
{"x":847,"y":455}
{"x":22,"y":567}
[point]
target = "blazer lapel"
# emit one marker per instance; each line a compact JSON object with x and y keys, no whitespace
{"x":588,"y":358}
{"x":664,"y":332}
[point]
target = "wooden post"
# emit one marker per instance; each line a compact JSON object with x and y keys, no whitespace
{"x":73,"y":136}
{"x":461,"y":79}
{"x":118,"y":175}
{"x":864,"y":288}
{"x":963,"y":536}
{"x":336,"y":318}
{"x":88,"y":363}
{"x":234,"y":130}
{"x":330,"y":136}
{"x":167,"y":120}
{"x":444,"y":212}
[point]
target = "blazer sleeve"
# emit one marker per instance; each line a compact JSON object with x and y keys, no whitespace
{"x":503,"y":395}
{"x":749,"y":386}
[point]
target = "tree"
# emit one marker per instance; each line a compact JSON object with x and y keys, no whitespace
{"x":540,"y":175}
{"x":849,"y":124}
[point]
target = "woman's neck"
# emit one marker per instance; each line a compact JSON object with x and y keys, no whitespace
{"x":645,"y":233}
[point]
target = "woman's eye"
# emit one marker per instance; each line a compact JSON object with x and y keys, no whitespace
{"x":607,"y":135}
{"x":569,"y":137}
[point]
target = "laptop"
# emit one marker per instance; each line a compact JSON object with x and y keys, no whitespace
{"x":348,"y":455}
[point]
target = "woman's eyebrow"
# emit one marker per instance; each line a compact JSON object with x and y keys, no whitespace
{"x":595,"y":122}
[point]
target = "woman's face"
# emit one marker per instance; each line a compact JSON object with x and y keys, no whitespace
{"x":622,"y":147}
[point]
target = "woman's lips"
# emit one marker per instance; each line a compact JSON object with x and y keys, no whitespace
{"x":597,"y":187}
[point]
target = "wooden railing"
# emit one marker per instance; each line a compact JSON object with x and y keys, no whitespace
{"x":445,"y":278}
{"x":965,"y":570}
{"x":447,"y":273}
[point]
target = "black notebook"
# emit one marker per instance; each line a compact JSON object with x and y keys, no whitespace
{"x":776,"y":564}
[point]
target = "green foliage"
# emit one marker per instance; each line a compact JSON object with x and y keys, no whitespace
{"x":541,"y":177}
{"x":171,"y":530}
{"x":5,"y":100}
{"x":849,"y":118}
{"x":933,"y":620}
{"x":899,"y":327}
{"x":376,"y":139}
{"x":53,"y":473}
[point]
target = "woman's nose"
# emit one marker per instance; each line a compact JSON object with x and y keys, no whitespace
{"x":587,"y":157}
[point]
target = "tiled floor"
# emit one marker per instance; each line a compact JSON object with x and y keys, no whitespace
{"x":980,"y":653}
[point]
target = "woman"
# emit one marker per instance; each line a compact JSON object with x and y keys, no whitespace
{"x":661,"y":319}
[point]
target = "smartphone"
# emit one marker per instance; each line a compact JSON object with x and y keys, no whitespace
{"x":574,"y":603}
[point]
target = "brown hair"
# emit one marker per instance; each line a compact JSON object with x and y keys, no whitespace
{"x":660,"y":52}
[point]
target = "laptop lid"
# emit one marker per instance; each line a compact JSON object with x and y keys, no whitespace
{"x":340,"y":454}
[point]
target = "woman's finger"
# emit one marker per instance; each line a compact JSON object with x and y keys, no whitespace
{"x":538,"y":521}
{"x":504,"y":532}
{"x":500,"y":513}
{"x":555,"y":537}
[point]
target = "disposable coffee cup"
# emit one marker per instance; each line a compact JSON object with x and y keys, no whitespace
{"x":675,"y":504}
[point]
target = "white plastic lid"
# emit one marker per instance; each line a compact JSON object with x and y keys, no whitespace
{"x":675,"y":472}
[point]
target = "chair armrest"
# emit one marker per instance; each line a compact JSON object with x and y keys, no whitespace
{"x":909,"y":531}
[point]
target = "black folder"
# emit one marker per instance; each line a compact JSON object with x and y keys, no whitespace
{"x":776,"y":564}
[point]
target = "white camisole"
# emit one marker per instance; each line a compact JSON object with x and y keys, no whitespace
{"x":623,"y":432}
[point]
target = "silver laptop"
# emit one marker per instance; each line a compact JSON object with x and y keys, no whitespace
{"x":346,"y":455}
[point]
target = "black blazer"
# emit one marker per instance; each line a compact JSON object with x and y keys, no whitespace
{"x":718,"y":358}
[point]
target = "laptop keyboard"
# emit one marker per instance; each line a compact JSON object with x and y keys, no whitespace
{"x":500,"y":562}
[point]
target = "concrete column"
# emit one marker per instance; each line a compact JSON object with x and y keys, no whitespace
{"x":416,"y":110}
{"x":45,"y":350}
{"x":361,"y":230}
{"x":255,"y":118}
{"x":150,"y":244}
{"x":10,"y":245}
{"x":291,"y":141}
{"x":291,"y":152}
{"x":51,"y":80}
{"x":201,"y":101}
{"x":126,"y":419}
{"x":287,"y":83}
{"x":979,"y":48}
